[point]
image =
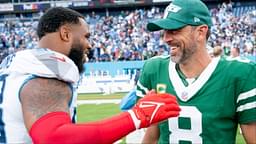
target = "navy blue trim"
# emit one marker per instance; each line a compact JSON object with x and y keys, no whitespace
{"x":2,"y":130}
{"x":72,"y":94}
{"x":25,"y":82}
{"x":74,"y":116}
{"x":2,"y":124}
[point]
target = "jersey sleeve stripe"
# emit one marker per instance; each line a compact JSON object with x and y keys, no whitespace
{"x":142,"y":87}
{"x":246,"y":106}
{"x":246,"y":95}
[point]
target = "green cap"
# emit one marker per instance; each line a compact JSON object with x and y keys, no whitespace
{"x":180,"y":13}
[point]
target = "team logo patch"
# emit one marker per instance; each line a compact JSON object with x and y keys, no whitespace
{"x":161,"y":88}
{"x":196,"y":19}
{"x":184,"y":95}
{"x":171,"y":8}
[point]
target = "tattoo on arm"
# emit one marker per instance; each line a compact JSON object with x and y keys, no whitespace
{"x":41,"y":96}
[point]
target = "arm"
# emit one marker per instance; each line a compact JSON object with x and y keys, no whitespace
{"x":46,"y":116}
{"x":45,"y":110}
{"x":246,"y":101}
{"x":40,"y":96}
{"x":249,"y":132}
{"x":152,"y":135}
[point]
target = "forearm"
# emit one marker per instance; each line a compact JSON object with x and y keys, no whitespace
{"x":249,"y":132}
{"x":151,"y":136}
{"x":57,"y":127}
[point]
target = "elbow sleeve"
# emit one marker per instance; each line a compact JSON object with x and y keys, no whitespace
{"x":56,"y":127}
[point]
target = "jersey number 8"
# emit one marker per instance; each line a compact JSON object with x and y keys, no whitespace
{"x":192,"y":133}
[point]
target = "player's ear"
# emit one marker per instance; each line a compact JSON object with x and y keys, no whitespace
{"x":65,"y":33}
{"x":202,"y":32}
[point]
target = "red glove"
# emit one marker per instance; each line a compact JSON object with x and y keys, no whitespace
{"x":154,"y":108}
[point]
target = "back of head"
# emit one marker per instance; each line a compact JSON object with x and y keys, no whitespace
{"x":56,"y":17}
{"x":235,"y":52}
{"x":217,"y":51}
{"x":180,"y":13}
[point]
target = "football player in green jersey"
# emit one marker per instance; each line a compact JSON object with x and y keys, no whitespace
{"x":215,"y":94}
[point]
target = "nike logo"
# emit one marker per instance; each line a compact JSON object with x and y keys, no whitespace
{"x":59,"y":58}
{"x":147,"y":104}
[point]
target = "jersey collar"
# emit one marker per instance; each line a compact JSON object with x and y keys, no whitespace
{"x":185,"y":93}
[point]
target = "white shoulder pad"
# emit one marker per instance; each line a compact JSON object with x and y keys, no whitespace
{"x":45,"y":63}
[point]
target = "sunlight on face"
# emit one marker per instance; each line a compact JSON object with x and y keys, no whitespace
{"x":81,"y":45}
{"x":182,"y":44}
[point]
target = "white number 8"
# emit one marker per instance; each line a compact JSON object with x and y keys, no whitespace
{"x":193,"y":134}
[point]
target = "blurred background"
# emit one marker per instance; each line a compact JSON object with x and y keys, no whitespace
{"x":121,"y":43}
{"x":119,"y":37}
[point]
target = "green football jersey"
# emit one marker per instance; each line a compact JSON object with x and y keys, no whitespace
{"x":212,"y":105}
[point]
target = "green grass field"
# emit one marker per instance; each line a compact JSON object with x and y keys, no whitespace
{"x":100,"y":96}
{"x":93,"y":112}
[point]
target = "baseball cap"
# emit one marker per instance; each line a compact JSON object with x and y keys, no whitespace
{"x":180,"y":13}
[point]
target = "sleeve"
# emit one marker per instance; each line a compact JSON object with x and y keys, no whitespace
{"x":57,"y":127}
{"x":143,"y":84}
{"x":246,"y":100}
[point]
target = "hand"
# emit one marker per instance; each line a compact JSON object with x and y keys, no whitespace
{"x":154,"y":108}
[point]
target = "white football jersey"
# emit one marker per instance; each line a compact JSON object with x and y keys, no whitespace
{"x":15,"y":71}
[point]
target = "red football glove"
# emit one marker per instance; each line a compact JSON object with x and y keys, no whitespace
{"x":154,"y":108}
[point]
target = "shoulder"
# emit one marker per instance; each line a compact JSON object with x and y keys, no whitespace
{"x":237,"y":66}
{"x":45,"y":87}
{"x":40,"y":96}
{"x":244,"y":63}
{"x":240,"y":59}
{"x":157,"y":61}
{"x":45,"y":63}
{"x":45,"y":94}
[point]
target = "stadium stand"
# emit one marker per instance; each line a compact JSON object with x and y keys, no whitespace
{"x":121,"y":35}
{"x":21,"y":1}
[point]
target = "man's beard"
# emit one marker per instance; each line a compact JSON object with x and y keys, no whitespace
{"x":185,"y":54}
{"x":76,"y":54}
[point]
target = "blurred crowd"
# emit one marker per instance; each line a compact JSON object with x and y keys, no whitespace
{"x":15,"y":36}
{"x":123,"y":36}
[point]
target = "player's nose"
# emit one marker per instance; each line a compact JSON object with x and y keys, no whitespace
{"x":167,"y":37}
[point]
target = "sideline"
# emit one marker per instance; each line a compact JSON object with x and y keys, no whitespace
{"x":97,"y":102}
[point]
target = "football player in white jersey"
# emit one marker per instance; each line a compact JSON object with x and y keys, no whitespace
{"x":37,"y":95}
{"x":215,"y":95}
